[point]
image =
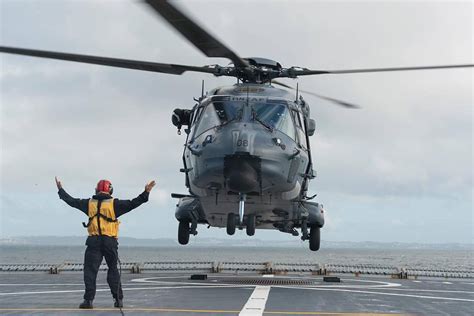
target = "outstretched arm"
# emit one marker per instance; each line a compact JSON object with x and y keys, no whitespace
{"x":80,"y":204}
{"x":124,"y":206}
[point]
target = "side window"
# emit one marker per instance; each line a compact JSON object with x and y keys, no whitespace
{"x":300,"y":115}
{"x":297,"y":118}
{"x":300,"y":129}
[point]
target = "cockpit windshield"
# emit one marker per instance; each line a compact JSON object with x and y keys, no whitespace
{"x":218,"y":113}
{"x":274,"y":116}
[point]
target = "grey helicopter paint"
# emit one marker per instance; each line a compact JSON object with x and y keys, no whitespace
{"x":247,"y":161}
{"x":248,"y":145}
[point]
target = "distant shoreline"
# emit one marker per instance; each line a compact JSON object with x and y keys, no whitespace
{"x":211,"y":242}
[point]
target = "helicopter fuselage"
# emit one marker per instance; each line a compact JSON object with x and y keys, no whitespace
{"x":248,"y":140}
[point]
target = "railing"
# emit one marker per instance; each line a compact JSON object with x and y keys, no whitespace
{"x":257,"y":267}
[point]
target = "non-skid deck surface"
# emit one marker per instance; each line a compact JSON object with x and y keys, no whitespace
{"x":233,"y":294}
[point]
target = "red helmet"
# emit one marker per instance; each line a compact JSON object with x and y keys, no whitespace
{"x":104,"y":186}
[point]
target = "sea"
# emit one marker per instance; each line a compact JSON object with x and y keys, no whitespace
{"x":457,"y":259}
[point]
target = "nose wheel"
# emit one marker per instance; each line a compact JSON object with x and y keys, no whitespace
{"x":233,"y":220}
{"x":250,"y":229}
{"x":242,"y":198}
{"x":231,"y":223}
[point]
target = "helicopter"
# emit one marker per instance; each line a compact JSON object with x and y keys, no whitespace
{"x":247,"y":158}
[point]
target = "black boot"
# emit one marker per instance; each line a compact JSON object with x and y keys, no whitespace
{"x":87,"y":304}
{"x":118,"y":303}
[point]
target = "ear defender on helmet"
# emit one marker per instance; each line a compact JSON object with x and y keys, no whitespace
{"x":104,"y":186}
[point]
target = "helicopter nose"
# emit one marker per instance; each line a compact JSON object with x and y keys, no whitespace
{"x":241,"y":173}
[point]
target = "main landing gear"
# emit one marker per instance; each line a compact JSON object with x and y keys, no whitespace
{"x":314,"y":235}
{"x":184,"y":230}
{"x":314,"y":238}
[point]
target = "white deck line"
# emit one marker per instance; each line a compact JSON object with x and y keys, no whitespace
{"x":256,"y":303}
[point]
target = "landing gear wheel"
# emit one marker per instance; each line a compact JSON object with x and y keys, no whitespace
{"x":250,"y":225}
{"x":231,"y":223}
{"x":183,"y":232}
{"x":314,"y":238}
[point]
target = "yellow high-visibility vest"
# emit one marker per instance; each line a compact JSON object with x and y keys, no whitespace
{"x":103,"y":222}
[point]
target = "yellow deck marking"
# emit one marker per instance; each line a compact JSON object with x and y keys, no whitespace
{"x":177,"y":310}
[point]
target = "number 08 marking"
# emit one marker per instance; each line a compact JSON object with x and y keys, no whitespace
{"x":242,"y":143}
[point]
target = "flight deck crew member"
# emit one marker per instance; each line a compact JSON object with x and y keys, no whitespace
{"x":103,"y":211}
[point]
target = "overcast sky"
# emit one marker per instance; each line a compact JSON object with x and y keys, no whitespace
{"x":399,"y":169}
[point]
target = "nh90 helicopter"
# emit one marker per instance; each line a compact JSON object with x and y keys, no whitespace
{"x":247,"y":158}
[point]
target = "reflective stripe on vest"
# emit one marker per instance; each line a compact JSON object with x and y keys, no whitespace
{"x":109,"y":225}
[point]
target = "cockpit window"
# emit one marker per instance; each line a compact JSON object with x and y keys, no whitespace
{"x":228,"y":111}
{"x":275,"y":116}
{"x":218,"y":113}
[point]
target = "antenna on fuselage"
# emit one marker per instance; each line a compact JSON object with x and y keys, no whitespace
{"x":202,"y":89}
{"x":297,"y":90}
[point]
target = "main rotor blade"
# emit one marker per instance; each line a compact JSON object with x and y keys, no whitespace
{"x":305,"y":72}
{"x":338,"y":102}
{"x":194,"y":33}
{"x":107,"y":61}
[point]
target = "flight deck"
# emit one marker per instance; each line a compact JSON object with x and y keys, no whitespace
{"x":240,"y":288}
